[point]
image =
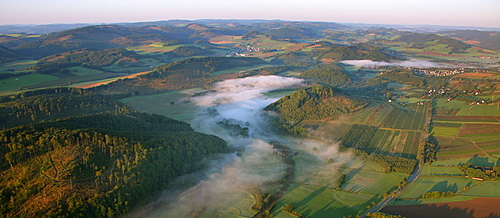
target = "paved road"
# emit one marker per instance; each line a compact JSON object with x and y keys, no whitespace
{"x":411,"y":179}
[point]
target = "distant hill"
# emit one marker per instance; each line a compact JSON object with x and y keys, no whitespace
{"x":8,"y":55}
{"x":484,"y":39}
{"x":189,"y":73}
{"x":420,"y":41}
{"x":353,"y":52}
{"x":294,"y":33}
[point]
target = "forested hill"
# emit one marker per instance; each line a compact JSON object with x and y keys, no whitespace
{"x":97,"y":165}
{"x":91,"y":156}
{"x":52,"y":104}
{"x":316,"y":102}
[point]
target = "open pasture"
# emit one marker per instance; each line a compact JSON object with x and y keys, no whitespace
{"x":161,"y":104}
{"x":468,"y":119}
{"x":315,"y":201}
{"x":426,"y":184}
{"x":480,"y":110}
{"x":475,"y":160}
{"x":484,"y":189}
{"x":387,"y":183}
{"x":444,"y":103}
{"x":356,"y":180}
{"x":13,"y":84}
{"x":440,"y":171}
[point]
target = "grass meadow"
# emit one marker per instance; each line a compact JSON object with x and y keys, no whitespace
{"x":426,"y":184}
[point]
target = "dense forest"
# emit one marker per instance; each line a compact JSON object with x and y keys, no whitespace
{"x":328,"y":75}
{"x":52,"y":104}
{"x":98,"y":165}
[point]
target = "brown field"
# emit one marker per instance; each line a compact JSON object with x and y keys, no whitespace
{"x":476,"y":208}
{"x":223,"y":39}
{"x":472,"y":42}
{"x":327,"y":60}
{"x":94,"y":84}
{"x":475,"y":75}
{"x":479,"y":128}
{"x":489,"y":119}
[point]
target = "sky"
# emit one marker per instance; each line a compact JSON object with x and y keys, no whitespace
{"x":484,"y":13}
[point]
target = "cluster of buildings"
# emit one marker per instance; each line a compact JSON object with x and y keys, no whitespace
{"x":432,"y":72}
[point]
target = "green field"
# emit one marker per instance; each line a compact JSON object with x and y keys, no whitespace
{"x":445,"y":131}
{"x":388,"y":183}
{"x":480,"y":110}
{"x":441,"y":184}
{"x":476,"y":161}
{"x":161,"y":104}
{"x":13,"y":84}
{"x":484,"y":189}
{"x":440,"y":171}
{"x":322,"y":202}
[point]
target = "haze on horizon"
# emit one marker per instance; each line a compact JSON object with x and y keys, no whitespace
{"x":481,"y":13}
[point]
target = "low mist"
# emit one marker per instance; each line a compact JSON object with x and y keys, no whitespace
{"x":410,"y":63}
{"x":231,"y":179}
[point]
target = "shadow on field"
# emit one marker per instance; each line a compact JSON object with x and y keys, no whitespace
{"x":444,"y":187}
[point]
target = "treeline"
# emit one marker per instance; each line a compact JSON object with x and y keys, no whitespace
{"x":486,"y":173}
{"x":52,"y":104}
{"x":202,"y":67}
{"x":84,"y":57}
{"x":438,"y":194}
{"x":382,"y":215}
{"x":95,"y":166}
{"x":328,"y":75}
{"x":393,"y":163}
